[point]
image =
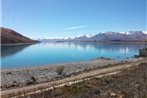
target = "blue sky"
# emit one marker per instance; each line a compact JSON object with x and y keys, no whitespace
{"x":64,"y":18}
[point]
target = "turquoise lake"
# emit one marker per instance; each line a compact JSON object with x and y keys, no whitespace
{"x":13,"y":56}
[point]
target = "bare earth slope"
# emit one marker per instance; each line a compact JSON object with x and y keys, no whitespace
{"x":9,"y":36}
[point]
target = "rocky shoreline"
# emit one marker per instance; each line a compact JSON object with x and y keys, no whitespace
{"x":20,"y":77}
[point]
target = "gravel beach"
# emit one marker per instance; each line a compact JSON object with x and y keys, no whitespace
{"x":20,"y":77}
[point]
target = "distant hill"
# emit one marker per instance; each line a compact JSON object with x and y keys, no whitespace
{"x":131,"y":36}
{"x":9,"y":36}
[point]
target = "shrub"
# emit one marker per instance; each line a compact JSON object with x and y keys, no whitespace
{"x":60,"y":70}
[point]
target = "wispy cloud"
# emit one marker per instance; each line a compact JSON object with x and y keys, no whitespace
{"x":76,"y":27}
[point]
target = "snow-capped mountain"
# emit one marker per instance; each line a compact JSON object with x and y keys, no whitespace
{"x":108,"y":36}
{"x":82,"y":38}
{"x":87,"y":35}
{"x":117,"y":36}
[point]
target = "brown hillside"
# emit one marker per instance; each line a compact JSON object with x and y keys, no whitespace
{"x":9,"y":36}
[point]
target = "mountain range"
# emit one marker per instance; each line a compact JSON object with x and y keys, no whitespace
{"x":9,"y":36}
{"x":106,"y":36}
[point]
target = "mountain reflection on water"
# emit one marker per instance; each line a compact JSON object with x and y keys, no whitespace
{"x":8,"y":50}
{"x":63,"y":52}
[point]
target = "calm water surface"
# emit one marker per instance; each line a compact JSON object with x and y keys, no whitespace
{"x":62,"y":52}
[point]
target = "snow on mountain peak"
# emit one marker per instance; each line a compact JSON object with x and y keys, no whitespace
{"x":87,"y":35}
{"x":124,"y":33}
{"x":145,"y":32}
